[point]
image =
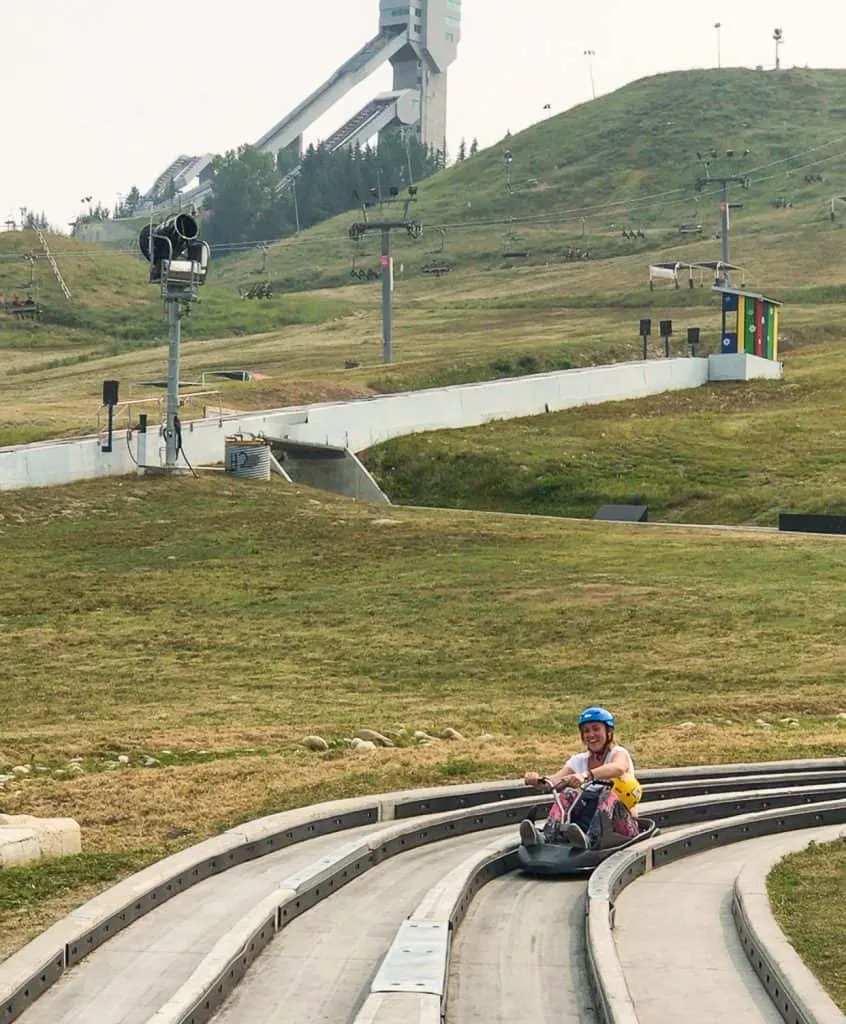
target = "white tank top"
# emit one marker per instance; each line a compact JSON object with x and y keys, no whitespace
{"x":579,"y":762}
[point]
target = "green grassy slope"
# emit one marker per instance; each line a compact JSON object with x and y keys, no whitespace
{"x":628,"y":159}
{"x":113,"y":308}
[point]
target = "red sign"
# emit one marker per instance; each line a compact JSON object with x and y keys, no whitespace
{"x":385,"y":262}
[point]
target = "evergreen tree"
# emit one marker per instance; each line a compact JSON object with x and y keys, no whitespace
{"x":474,"y":146}
{"x":462,"y":151}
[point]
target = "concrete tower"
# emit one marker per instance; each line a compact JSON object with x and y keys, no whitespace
{"x":433,"y":29}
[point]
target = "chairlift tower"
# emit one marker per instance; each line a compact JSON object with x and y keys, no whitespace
{"x":412,"y":227}
{"x":178,"y":264}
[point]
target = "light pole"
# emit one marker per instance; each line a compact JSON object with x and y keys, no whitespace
{"x":718,"y":25}
{"x":778,"y":39}
{"x":590,"y":54}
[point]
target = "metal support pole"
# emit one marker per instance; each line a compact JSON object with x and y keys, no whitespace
{"x":107,"y":447}
{"x":387,"y":312}
{"x":666,"y":346}
{"x":724,"y":229}
{"x":645,"y":348}
{"x":141,"y":446}
{"x":174,"y":316}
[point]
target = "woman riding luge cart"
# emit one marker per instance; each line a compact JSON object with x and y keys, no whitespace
{"x":594,"y":810}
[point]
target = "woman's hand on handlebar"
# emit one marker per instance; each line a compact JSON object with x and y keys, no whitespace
{"x":538,"y":781}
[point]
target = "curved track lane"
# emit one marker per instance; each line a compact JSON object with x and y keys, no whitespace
{"x":519,"y":955}
{"x":678,"y":943}
{"x":136,"y":972}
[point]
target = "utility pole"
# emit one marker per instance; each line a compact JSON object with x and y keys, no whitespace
{"x":725,"y":208}
{"x":590,"y":54}
{"x":413,"y":228}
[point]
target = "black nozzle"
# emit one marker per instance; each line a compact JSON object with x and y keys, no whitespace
{"x":170,"y":238}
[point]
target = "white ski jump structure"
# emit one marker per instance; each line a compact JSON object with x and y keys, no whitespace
{"x":419,"y":38}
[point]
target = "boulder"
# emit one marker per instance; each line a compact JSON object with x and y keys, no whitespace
{"x":315,"y":743}
{"x":24,"y":839}
{"x":373,"y":737}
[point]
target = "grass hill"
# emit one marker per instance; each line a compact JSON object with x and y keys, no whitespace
{"x":625,"y":160}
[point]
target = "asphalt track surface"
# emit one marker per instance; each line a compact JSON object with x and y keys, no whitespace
{"x":518,"y":955}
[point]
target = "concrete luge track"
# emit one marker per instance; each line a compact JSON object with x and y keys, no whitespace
{"x":180,"y":963}
{"x":710,"y":975}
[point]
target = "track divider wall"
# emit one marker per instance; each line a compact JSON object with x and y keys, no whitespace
{"x":613,"y":999}
{"x":27,"y":974}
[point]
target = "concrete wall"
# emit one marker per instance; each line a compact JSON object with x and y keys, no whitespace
{"x":742,"y":366}
{"x":359,"y":425}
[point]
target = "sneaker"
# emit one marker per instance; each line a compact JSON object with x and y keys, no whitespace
{"x":528,"y":833}
{"x":575,"y":837}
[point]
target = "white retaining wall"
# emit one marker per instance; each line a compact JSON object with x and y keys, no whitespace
{"x":358,"y":425}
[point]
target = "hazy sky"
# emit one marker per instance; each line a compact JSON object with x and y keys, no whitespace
{"x":100,"y":95}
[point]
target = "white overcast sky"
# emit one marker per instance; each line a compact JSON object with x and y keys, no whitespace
{"x":100,"y":95}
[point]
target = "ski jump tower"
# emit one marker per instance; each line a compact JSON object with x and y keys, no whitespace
{"x":420,"y":38}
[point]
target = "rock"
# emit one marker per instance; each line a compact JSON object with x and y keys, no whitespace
{"x":486,"y":737}
{"x":360,"y":744}
{"x":6,"y":778}
{"x":122,"y":759}
{"x":41,"y":768}
{"x":315,"y":743}
{"x":76,"y":760}
{"x":148,"y":761}
{"x":762,"y":724}
{"x":687,"y":725}
{"x":374,"y":737}
{"x":178,"y":832}
{"x":452,"y":734}
{"x":75,"y":768}
{"x":21,"y":769}
{"x":420,"y":735}
{"x":841,"y":716}
{"x":793,"y":725}
{"x":59,"y":771}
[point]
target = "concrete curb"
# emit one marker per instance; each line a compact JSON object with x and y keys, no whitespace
{"x":613,"y":999}
{"x":792,"y":987}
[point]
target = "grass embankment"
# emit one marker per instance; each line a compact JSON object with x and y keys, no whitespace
{"x":727,"y":453}
{"x":806,"y":892}
{"x":202,"y":628}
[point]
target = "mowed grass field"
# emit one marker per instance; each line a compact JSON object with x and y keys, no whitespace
{"x":212,"y":624}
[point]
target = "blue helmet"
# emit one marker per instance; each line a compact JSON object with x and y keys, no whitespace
{"x":596,"y":715}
